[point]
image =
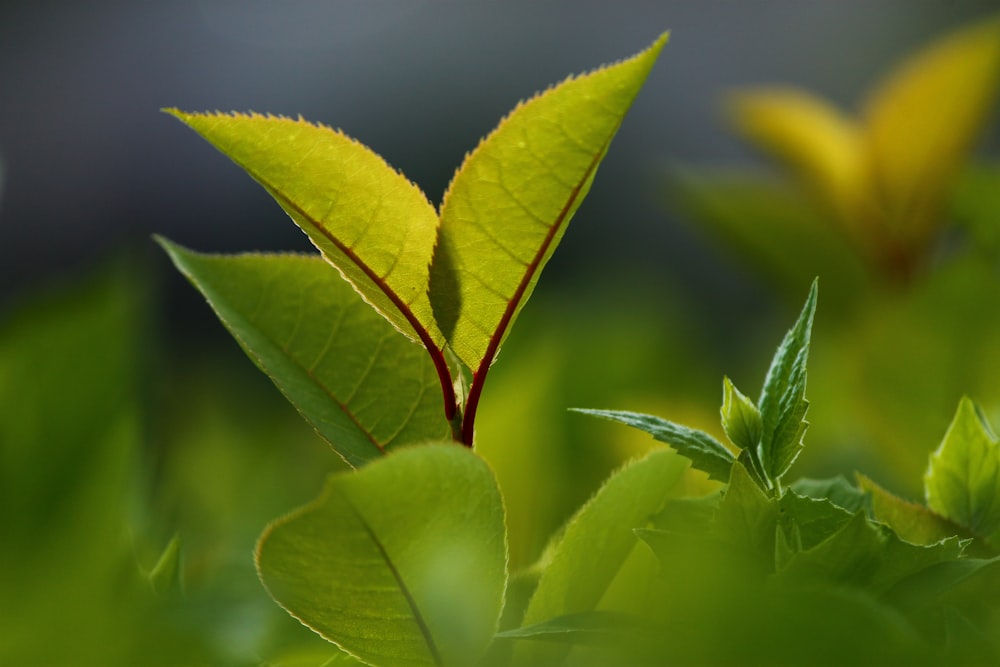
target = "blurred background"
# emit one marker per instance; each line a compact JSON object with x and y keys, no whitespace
{"x":90,"y":164}
{"x":653,"y":295}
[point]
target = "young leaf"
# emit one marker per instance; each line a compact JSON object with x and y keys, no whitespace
{"x":510,"y":202}
{"x":400,"y":563}
{"x":963,"y":479}
{"x":366,"y":218}
{"x":740,"y":417}
{"x":597,"y":541}
{"x":782,"y":400}
{"x":705,"y":452}
{"x":361,"y":385}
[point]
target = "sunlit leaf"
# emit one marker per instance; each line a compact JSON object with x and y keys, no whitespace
{"x":369,"y":221}
{"x":512,"y":199}
{"x":362,"y":386}
{"x":400,"y":563}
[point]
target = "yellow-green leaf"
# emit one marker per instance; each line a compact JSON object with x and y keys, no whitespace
{"x":368,"y":220}
{"x":922,"y":118}
{"x":510,"y":202}
{"x":911,"y":521}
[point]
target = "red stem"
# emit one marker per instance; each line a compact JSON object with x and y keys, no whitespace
{"x":479,"y":376}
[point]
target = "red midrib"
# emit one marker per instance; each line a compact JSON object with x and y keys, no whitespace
{"x":479,"y":377}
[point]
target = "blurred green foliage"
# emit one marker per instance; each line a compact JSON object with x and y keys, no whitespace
{"x":106,"y":450}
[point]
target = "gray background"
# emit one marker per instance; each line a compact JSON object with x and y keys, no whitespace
{"x":92,"y":167}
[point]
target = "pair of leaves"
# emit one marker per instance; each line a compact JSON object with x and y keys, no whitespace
{"x":768,"y":433}
{"x":455,"y":280}
{"x":416,"y":573}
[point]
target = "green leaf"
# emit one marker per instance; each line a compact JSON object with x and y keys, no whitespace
{"x":597,"y":542}
{"x":928,"y":584}
{"x":911,"y":521}
{"x":866,"y":555}
{"x":814,"y":519}
{"x":512,"y":199}
{"x":166,"y":574}
{"x":400,"y":563}
{"x":361,"y":385}
{"x":963,"y":479}
{"x":852,"y":555}
{"x":782,"y":400}
{"x":369,"y":221}
{"x":837,"y":490}
{"x":590,"y":627}
{"x":705,"y":452}
{"x":740,"y":417}
{"x":747,"y":519}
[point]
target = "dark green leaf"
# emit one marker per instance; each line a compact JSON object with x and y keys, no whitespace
{"x":926,"y":585}
{"x":705,"y":452}
{"x":837,"y":490}
{"x":814,"y":519}
{"x":747,"y":519}
{"x":782,"y":400}
{"x":866,"y":555}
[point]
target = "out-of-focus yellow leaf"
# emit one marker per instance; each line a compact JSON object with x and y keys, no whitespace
{"x":885,"y":176}
{"x":921,"y":120}
{"x":812,"y":137}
